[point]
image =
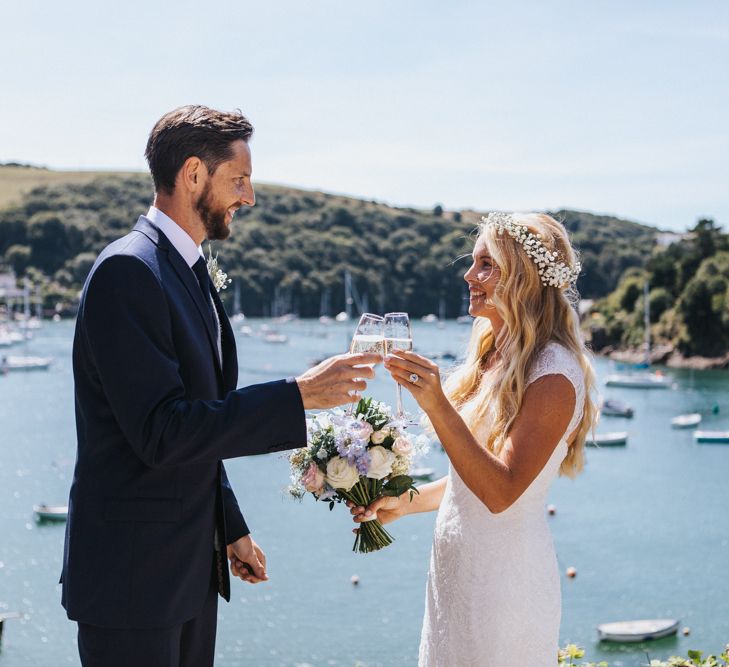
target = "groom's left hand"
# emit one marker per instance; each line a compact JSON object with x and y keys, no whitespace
{"x":247,"y":560}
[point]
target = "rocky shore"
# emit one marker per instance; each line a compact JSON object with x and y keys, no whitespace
{"x":666,"y":355}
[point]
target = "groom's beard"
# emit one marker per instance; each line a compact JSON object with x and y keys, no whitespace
{"x":213,"y":219}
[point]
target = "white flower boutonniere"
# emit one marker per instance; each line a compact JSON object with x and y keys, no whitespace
{"x":217,"y":275}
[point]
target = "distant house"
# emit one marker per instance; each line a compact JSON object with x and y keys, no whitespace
{"x":665,"y":239}
{"x":8,"y":287}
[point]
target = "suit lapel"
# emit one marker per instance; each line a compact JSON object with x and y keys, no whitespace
{"x":185,"y":274}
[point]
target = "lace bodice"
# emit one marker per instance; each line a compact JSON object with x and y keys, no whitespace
{"x":493,"y":594}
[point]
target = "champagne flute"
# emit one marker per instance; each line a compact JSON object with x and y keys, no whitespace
{"x":368,"y":337}
{"x":398,"y":336}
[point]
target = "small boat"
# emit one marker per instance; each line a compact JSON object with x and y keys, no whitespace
{"x":614,"y":439}
{"x":464,"y":319}
{"x":430,"y":318}
{"x":686,"y":421}
{"x":342,"y":317}
{"x":712,"y":436}
{"x":245,"y":330}
{"x":639,"y":380}
{"x":422,"y":474}
{"x":26,"y":363}
{"x":613,"y":408}
{"x":54,"y":513}
{"x":637,"y":631}
{"x":275,"y":338}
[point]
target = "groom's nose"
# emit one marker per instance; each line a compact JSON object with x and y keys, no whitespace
{"x":248,"y":198}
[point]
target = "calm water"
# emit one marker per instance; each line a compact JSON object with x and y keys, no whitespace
{"x":646,"y":526}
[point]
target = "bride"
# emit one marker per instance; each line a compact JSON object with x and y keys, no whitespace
{"x":511,"y":417}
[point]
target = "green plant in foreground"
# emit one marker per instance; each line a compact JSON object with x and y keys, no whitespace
{"x":567,"y":656}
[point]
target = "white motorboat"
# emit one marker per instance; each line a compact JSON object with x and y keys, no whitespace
{"x":686,"y":421}
{"x":638,"y":631}
{"x":431,"y":318}
{"x":613,"y":439}
{"x":712,"y":436}
{"x":25,"y":363}
{"x":639,"y":380}
{"x":55,"y":513}
{"x":613,"y":408}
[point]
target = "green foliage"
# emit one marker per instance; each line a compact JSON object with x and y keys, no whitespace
{"x":293,"y":247}
{"x":689,"y":298}
{"x":567,"y":656}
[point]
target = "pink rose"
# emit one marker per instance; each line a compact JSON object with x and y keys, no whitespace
{"x":402,"y":446}
{"x":313,"y":479}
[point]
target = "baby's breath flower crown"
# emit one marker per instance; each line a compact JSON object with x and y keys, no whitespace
{"x":552,"y":272}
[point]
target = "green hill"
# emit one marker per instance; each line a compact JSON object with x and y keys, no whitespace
{"x":291,"y":250}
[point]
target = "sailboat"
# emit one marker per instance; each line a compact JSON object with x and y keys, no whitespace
{"x":641,"y":379}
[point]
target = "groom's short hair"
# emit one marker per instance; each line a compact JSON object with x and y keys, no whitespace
{"x":192,"y":131}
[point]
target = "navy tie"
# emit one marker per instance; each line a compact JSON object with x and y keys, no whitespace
{"x":200,"y":268}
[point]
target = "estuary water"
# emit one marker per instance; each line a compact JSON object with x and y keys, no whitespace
{"x":646,"y":526}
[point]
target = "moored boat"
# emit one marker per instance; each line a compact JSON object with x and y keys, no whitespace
{"x":51,"y":512}
{"x":613,"y":439}
{"x":638,"y":631}
{"x":712,"y":436}
{"x":639,"y":380}
{"x":686,"y":421}
{"x":612,"y":408}
{"x":25,"y":363}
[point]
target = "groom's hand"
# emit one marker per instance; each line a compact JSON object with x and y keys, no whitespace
{"x":337,"y":380}
{"x":247,"y":560}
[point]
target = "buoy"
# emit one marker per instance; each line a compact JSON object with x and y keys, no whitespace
{"x":551,"y":510}
{"x":354,"y":579}
{"x":686,"y":631}
{"x":571,"y":572}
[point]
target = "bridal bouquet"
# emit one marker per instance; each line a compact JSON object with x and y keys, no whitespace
{"x":356,"y":457}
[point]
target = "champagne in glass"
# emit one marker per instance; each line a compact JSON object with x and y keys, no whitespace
{"x":398,"y":336}
{"x":368,"y":337}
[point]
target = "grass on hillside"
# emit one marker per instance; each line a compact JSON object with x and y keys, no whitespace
{"x":16,"y":181}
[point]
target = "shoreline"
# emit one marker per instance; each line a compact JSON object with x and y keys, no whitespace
{"x":665,"y":355}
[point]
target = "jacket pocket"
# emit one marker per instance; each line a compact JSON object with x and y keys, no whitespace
{"x":165,"y":510}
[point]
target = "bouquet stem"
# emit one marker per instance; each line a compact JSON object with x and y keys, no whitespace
{"x":371,"y":536}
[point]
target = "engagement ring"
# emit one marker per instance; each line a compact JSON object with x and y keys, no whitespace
{"x":414,"y":377}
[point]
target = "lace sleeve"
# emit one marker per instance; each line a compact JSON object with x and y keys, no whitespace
{"x":558,"y":360}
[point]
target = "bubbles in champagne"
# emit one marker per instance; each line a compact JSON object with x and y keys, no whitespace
{"x":392,"y":344}
{"x":365,"y":343}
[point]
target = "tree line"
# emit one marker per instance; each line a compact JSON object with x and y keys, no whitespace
{"x":291,"y":251}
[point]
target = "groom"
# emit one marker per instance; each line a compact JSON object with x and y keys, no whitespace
{"x":152,"y":516}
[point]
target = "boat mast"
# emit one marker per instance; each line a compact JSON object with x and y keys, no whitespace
{"x":646,"y":323}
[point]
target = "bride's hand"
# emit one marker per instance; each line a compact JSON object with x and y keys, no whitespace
{"x":426,"y":389}
{"x":385,"y":508}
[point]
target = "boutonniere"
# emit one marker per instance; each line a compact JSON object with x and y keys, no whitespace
{"x":217,"y":275}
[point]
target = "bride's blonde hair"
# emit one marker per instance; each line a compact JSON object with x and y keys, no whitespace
{"x":534,"y":314}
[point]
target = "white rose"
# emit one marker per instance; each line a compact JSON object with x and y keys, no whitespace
{"x":381,"y":460}
{"x":341,"y":475}
{"x":378,"y":437}
{"x":402,"y":446}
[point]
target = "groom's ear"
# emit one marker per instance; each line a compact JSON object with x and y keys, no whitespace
{"x":192,"y":173}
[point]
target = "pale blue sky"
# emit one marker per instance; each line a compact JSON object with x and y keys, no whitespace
{"x":604,"y":105}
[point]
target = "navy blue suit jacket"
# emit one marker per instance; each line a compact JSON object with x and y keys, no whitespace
{"x":155,"y":416}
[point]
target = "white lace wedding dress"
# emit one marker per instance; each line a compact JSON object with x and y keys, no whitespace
{"x":493,"y":593}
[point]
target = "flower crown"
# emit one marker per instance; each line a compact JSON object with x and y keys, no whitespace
{"x":552,"y":273}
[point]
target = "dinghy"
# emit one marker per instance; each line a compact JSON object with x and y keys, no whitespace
{"x":614,"y":439}
{"x":51,"y":512}
{"x":613,"y":408}
{"x":712,"y":436}
{"x":686,"y":421}
{"x":637,"y":631}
